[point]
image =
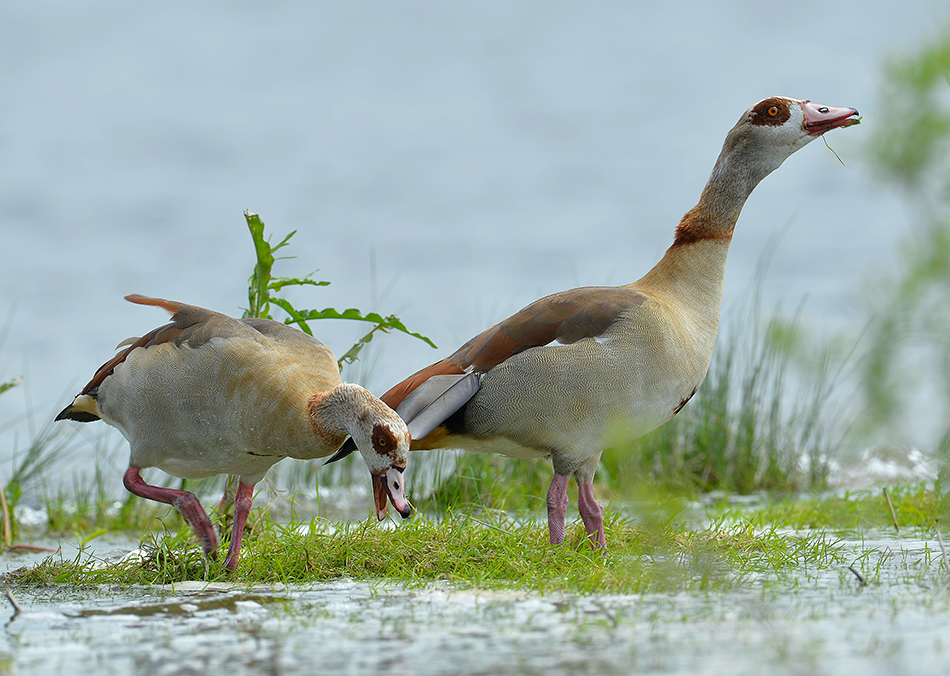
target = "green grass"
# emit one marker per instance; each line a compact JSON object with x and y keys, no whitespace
{"x":916,"y":507}
{"x":84,"y":516}
{"x":658,"y":551}
{"x":469,"y":552}
{"x":491,"y":483}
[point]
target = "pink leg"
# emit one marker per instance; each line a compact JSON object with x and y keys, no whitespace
{"x":592,"y":514}
{"x":242,"y":507}
{"x":183,"y":501}
{"x":557,"y":508}
{"x":228,"y":496}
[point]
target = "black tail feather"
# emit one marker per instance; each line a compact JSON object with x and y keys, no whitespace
{"x":348,"y":447}
{"x":79,"y":416}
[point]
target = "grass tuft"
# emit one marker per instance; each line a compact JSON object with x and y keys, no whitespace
{"x":917,"y":507}
{"x":467,"y":552}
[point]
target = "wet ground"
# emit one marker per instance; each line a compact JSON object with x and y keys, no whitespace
{"x":817,"y":622}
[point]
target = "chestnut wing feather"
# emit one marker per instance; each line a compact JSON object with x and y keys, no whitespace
{"x":565,"y":317}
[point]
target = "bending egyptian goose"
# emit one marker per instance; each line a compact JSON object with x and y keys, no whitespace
{"x":208,"y":394}
{"x":549,"y":379}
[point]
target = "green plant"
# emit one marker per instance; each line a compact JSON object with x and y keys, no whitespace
{"x":32,"y":466}
{"x":263,"y":287}
{"x":918,"y":507}
{"x":488,"y":551}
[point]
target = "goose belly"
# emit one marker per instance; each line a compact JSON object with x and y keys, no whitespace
{"x":200,"y":412}
{"x":564,"y":398}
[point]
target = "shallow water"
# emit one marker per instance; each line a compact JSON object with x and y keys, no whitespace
{"x":818,"y":621}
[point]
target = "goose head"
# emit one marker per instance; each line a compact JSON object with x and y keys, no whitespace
{"x":384,"y":445}
{"x":375,"y":430}
{"x":769,"y":132}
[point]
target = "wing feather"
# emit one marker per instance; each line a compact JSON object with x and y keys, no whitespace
{"x":189,"y":323}
{"x":565,"y":317}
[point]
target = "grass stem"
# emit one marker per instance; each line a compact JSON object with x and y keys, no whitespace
{"x":891,"y":507}
{"x":16,"y":606}
{"x":7,"y":527}
{"x":943,"y":550}
{"x":858,"y":575}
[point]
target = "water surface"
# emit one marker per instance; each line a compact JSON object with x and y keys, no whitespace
{"x":814,"y":621}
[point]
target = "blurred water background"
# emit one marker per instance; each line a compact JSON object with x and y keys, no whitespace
{"x":449,"y":162}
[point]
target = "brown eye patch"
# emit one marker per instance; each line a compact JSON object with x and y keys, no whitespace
{"x":384,"y":442}
{"x":772,"y":112}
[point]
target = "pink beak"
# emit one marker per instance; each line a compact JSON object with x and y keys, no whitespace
{"x":819,"y":119}
{"x":390,"y":486}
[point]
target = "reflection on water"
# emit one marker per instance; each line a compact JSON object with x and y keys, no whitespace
{"x":820,"y":621}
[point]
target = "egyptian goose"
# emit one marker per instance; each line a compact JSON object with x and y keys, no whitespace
{"x":208,"y":394}
{"x":547,"y":381}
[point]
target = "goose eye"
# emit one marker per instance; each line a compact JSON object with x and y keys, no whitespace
{"x":773,"y":111}
{"x":383,"y":441}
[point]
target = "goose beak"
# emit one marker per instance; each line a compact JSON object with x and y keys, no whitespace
{"x":390,"y":486}
{"x":819,"y":119}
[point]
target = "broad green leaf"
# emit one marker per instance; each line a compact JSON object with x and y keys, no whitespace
{"x":257,"y":294}
{"x":295,"y":316}
{"x":390,"y":322}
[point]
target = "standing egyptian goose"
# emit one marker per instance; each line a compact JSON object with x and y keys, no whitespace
{"x":547,"y":381}
{"x":208,"y":394}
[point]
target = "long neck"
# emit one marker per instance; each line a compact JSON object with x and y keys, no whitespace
{"x":349,"y":410}
{"x":715,"y":215}
{"x":334,"y":412}
{"x":696,"y":262}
